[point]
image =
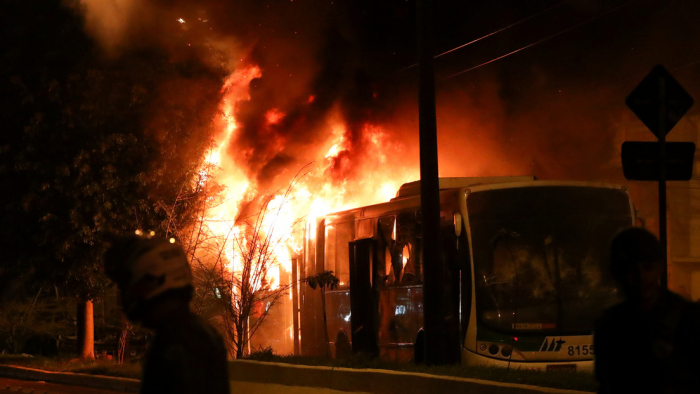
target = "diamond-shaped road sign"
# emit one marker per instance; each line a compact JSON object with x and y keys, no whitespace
{"x":660,"y":102}
{"x":640,"y":160}
{"x":658,"y":87}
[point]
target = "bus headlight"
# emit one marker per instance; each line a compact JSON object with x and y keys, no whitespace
{"x":506,"y":351}
{"x":499,"y":350}
{"x":493,"y":349}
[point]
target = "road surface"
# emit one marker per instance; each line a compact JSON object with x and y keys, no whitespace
{"x":40,"y":387}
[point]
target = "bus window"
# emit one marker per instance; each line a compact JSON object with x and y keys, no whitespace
{"x":345,"y":233}
{"x":408,"y":271}
{"x":540,"y":256}
{"x":408,"y":254}
{"x":365,"y":228}
{"x":399,"y":249}
{"x":385,"y":245}
{"x":329,"y":251}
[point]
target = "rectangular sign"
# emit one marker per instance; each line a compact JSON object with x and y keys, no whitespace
{"x":640,"y":160}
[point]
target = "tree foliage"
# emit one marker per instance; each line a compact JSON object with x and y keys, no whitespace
{"x":23,"y":319}
{"x":94,"y":145}
{"x":231,"y":259}
{"x":323,"y":280}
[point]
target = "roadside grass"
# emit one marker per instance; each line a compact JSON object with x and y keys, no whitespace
{"x":562,"y":380}
{"x":67,"y":364}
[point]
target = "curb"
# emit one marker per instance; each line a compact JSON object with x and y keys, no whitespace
{"x":76,"y":379}
{"x":374,"y":381}
{"x":330,"y":378}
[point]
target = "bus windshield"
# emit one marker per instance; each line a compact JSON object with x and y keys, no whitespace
{"x":541,"y":256}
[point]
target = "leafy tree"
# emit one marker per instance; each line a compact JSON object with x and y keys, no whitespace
{"x":230,"y":266}
{"x":92,"y":146}
{"x":22,"y":319}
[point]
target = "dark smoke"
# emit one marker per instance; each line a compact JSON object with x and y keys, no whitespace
{"x":555,"y":110}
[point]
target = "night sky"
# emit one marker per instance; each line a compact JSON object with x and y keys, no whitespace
{"x":554,"y":109}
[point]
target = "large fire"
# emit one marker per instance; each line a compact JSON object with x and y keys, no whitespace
{"x":311,"y":195}
{"x":316,"y":91}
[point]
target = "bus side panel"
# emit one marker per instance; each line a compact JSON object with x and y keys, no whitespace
{"x":400,"y":318}
{"x":311,"y":325}
{"x":470,"y":337}
{"x":338,"y":316}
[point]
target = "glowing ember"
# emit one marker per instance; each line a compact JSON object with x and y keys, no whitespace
{"x":213,"y":158}
{"x":333,"y":151}
{"x":274,"y":116}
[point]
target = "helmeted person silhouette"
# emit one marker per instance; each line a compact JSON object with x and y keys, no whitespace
{"x":649,"y":343}
{"x":186,"y":355}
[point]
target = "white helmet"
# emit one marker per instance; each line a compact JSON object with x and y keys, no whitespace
{"x":145,"y":267}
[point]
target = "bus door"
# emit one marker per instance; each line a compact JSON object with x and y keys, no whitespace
{"x":363,"y":299}
{"x":339,"y":235}
{"x":399,"y":285}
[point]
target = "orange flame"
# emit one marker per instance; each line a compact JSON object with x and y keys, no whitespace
{"x":314,"y":196}
{"x":274,"y":116}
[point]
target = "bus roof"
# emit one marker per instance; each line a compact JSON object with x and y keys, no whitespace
{"x":412,"y":189}
{"x":408,"y":196}
{"x":407,"y":201}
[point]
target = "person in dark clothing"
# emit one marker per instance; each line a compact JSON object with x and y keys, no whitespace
{"x":186,"y":355}
{"x":650,"y":342}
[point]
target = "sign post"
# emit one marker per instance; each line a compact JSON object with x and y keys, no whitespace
{"x":659,"y":101}
{"x":663,"y":219}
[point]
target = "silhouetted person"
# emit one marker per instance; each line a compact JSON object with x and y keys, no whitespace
{"x":186,"y":355}
{"x":343,"y":348}
{"x":649,"y":343}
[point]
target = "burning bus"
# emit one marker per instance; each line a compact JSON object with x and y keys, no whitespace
{"x":527,"y":262}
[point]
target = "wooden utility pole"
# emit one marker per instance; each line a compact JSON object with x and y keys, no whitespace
{"x":434,"y":276}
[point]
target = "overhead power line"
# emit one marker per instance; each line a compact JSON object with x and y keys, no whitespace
{"x":494,"y":32}
{"x":686,"y":65}
{"x":504,"y":28}
{"x":542,"y":40}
